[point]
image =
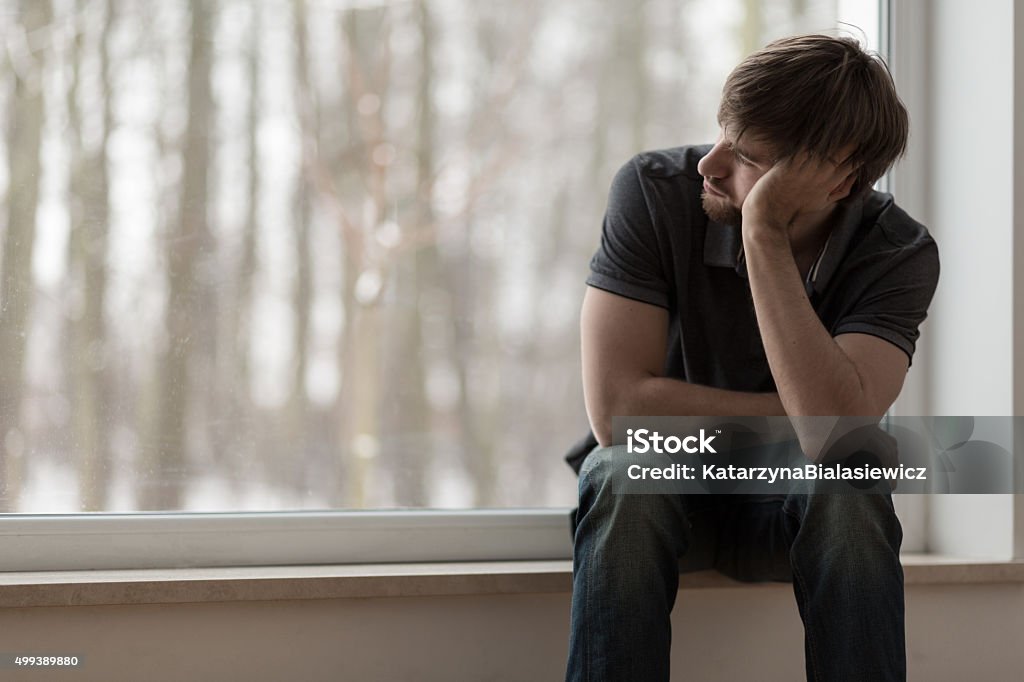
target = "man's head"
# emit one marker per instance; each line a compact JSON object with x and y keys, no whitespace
{"x":818,"y":94}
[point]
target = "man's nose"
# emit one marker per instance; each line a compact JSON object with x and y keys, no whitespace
{"x":713,"y":164}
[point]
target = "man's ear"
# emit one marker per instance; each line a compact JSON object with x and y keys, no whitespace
{"x":842,"y":190}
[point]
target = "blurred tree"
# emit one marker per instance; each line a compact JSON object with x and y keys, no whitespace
{"x":408,"y":446}
{"x":27,"y":61}
{"x":89,"y":215}
{"x":166,"y":472}
{"x":367,"y":57}
{"x":463,"y":151}
{"x":236,"y":379}
{"x":471,"y":280}
{"x":297,"y":412}
{"x":752,"y":30}
{"x":636,"y":37}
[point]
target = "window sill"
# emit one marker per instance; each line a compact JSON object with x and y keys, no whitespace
{"x":263,"y":583}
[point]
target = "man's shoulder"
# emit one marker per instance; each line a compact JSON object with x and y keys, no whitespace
{"x":891,"y":222}
{"x":671,"y":162}
{"x":891,"y":240}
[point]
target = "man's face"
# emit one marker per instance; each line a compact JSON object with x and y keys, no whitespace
{"x":730,"y":170}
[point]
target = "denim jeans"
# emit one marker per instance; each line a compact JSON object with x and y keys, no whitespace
{"x":841,"y":553}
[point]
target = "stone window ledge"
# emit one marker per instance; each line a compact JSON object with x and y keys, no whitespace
{"x":263,"y":583}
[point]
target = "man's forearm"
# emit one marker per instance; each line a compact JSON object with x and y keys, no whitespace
{"x":664,"y":396}
{"x":812,"y":373}
{"x":661,"y":396}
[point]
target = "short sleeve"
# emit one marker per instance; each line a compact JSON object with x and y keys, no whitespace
{"x":895,"y":303}
{"x":627,"y":261}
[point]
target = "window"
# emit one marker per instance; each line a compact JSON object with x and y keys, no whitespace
{"x":293,"y":258}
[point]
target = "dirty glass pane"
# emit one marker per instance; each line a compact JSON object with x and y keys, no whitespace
{"x":318,"y":254}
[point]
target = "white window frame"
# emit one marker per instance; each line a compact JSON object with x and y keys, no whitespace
{"x":979,"y":526}
{"x":30,"y":542}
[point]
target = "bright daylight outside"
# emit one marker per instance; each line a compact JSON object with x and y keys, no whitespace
{"x":285,"y":255}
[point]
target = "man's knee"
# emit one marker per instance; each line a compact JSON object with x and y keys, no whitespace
{"x":632,"y":514}
{"x":858,"y":528}
{"x":600,"y":464}
{"x":596,"y":486}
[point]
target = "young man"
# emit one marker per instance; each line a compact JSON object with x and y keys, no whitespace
{"x":758,"y":276}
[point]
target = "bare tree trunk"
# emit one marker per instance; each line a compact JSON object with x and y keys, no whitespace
{"x":635,"y":34}
{"x":165,"y":486}
{"x":351,"y":259}
{"x":205,"y":415}
{"x":16,"y":287}
{"x":297,"y":420}
{"x":346,"y":399}
{"x":237,"y":374}
{"x":87,"y":351}
{"x":360,"y":391}
{"x":408,"y":448}
{"x":470,"y":282}
{"x":351,"y":262}
{"x":544,"y":356}
{"x":752,"y":28}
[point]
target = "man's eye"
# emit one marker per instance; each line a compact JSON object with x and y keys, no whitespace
{"x":743,"y":161}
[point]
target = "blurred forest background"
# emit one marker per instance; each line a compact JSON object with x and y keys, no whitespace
{"x":316,"y":254}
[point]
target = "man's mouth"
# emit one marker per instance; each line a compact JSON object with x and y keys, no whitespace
{"x":711,"y":190}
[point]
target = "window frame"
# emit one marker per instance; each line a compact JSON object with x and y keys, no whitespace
{"x":915,"y":70}
{"x":62,"y":542}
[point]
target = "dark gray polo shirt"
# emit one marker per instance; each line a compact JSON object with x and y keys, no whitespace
{"x":875,"y":275}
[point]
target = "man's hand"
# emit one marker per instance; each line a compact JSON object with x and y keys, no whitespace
{"x":795,"y":187}
{"x":816,"y":374}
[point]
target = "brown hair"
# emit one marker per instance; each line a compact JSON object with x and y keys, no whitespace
{"x":819,"y":93}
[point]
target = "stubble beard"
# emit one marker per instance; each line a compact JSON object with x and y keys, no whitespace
{"x":721,"y":210}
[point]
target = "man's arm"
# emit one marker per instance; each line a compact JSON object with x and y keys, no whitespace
{"x":816,"y":375}
{"x":623,"y":351}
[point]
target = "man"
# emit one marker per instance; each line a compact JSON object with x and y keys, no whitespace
{"x":758,"y":276}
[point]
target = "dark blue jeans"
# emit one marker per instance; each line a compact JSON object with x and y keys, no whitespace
{"x":841,"y":552}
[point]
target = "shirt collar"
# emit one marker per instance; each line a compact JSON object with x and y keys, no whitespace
{"x":723,"y":247}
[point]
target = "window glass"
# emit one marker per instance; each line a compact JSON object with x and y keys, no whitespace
{"x":317,"y":254}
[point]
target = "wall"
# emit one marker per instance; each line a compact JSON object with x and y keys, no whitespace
{"x":955,"y":632}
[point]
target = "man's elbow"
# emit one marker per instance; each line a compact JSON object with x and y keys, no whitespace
{"x":824,"y":438}
{"x":624,"y":396}
{"x":602,"y":405}
{"x":601,"y":424}
{"x":602,"y":436}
